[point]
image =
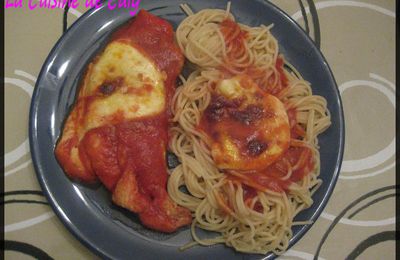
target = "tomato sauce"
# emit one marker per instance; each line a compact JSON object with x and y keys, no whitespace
{"x":224,"y":116}
{"x":128,"y":155}
{"x":155,"y":36}
{"x":234,"y":39}
{"x":147,"y":136}
{"x":271,"y":177}
{"x":142,"y":142}
{"x":296,"y":131}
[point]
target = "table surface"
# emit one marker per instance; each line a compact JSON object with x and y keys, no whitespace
{"x":358,"y":40}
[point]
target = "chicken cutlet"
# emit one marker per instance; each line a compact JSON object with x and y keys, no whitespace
{"x":117,"y":131}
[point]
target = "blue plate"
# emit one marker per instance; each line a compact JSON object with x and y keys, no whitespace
{"x":87,"y":212}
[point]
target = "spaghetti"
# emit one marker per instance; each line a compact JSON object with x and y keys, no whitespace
{"x":252,"y":211}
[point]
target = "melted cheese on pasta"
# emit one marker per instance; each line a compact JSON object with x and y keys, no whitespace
{"x":256,"y":132}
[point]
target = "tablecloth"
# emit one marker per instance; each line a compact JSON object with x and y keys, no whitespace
{"x":358,"y":40}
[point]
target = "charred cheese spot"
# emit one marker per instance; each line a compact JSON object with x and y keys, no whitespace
{"x":130,"y":84}
{"x":107,"y":89}
{"x":248,"y":128}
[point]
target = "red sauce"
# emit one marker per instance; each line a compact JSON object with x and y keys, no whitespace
{"x":85,"y":172}
{"x":155,"y":36}
{"x":234,"y":39}
{"x":100,"y":145}
{"x":296,"y":131}
{"x":271,"y":177}
{"x":248,"y":193}
{"x":143,"y":143}
{"x":279,"y":66}
{"x":146,"y":137}
{"x":224,"y":116}
{"x":132,"y":150}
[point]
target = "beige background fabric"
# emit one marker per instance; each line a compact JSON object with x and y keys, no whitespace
{"x":358,"y":41}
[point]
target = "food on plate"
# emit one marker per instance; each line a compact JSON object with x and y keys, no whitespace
{"x":117,"y":131}
{"x":243,"y":125}
{"x":245,"y":132}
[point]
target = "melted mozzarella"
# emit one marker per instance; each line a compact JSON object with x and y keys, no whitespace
{"x":270,"y":134}
{"x":139,"y":86}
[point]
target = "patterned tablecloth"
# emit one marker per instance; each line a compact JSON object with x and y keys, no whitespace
{"x":358,"y":40}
